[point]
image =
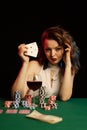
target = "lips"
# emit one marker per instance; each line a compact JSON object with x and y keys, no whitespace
{"x":53,"y":59}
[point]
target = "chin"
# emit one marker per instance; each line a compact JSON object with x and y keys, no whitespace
{"x":54,"y":63}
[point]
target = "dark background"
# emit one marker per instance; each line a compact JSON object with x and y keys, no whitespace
{"x":20,"y":24}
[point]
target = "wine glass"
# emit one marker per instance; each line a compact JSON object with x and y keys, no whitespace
{"x":34,"y":82}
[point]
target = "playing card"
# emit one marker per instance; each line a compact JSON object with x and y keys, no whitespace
{"x":24,"y":111}
{"x":11,"y":111}
{"x":32,"y":49}
{"x":43,"y":117}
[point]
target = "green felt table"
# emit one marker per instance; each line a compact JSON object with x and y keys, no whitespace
{"x":73,"y":112}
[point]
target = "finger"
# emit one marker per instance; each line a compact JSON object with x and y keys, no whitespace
{"x":21,"y":45}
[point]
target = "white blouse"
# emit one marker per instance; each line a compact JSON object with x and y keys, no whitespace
{"x":51,"y":81}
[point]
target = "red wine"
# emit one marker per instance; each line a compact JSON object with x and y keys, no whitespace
{"x":34,"y":85}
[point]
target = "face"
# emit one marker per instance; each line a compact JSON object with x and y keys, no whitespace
{"x":54,"y":52}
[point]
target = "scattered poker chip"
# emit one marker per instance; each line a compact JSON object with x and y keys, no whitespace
{"x":11,"y":111}
{"x":47,"y":107}
{"x":7,"y":104}
{"x":1,"y":111}
{"x":24,"y":111}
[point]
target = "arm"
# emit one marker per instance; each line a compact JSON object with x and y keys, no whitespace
{"x":28,"y":67}
{"x":68,"y":78}
{"x":20,"y":82}
{"x":67,"y":84}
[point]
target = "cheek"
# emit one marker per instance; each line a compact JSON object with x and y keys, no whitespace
{"x":61,"y":53}
{"x":47,"y":54}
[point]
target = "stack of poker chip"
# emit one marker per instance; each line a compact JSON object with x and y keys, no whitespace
{"x":26,"y":102}
{"x":42,"y":93}
{"x":51,"y":102}
{"x":17,"y":99}
{"x":17,"y":96}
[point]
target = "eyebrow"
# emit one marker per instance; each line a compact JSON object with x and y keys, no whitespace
{"x":54,"y":47}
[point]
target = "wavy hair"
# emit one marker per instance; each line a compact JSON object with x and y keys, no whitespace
{"x":61,"y":36}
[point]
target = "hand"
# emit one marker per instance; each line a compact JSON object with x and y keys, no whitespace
{"x":22,"y":49}
{"x":66,"y":57}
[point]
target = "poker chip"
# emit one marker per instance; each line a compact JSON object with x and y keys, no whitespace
{"x":42,"y":93}
{"x":25,"y":104}
{"x":17,"y":96}
{"x":15,"y":104}
{"x":7,"y":104}
{"x":47,"y":107}
{"x":27,"y":101}
{"x":24,"y":111}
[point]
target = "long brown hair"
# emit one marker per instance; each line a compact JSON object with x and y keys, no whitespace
{"x":61,"y":36}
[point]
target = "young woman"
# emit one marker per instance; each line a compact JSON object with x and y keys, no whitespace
{"x":57,"y":63}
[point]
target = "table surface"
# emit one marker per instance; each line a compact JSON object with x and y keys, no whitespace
{"x":73,"y":112}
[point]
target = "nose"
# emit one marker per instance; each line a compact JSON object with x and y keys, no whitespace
{"x":52,"y":52}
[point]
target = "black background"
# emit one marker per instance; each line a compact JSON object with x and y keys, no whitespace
{"x":23,"y":23}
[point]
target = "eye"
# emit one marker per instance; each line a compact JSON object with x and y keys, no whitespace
{"x":48,"y":49}
{"x":58,"y":48}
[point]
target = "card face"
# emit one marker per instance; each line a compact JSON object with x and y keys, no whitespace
{"x":11,"y":111}
{"x":45,"y":118}
{"x":32,"y":49}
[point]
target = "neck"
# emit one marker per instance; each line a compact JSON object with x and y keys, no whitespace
{"x":52,"y":66}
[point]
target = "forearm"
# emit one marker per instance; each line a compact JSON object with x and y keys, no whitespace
{"x":67,"y":84}
{"x":20,"y":82}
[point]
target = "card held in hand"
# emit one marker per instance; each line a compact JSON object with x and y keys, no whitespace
{"x":32,"y":49}
{"x":51,"y":119}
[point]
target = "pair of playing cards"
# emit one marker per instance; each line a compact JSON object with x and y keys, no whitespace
{"x":45,"y":118}
{"x":32,"y":49}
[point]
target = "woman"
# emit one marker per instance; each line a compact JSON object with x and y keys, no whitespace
{"x":58,"y":62}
